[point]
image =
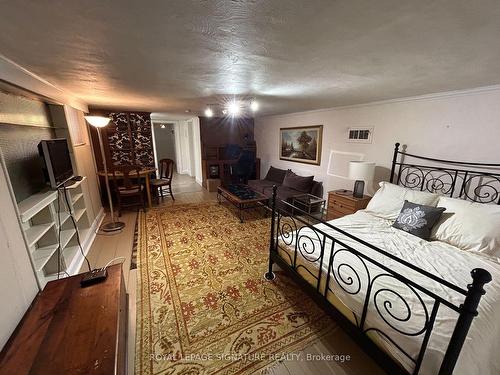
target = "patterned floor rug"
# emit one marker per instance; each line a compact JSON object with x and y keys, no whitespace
{"x":133,"y":257}
{"x":203,"y":306}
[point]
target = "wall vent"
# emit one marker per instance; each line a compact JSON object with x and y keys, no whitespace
{"x":360,"y":135}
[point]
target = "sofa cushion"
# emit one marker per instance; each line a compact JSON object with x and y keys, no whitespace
{"x":283,"y":193}
{"x":276,"y":175}
{"x":317,"y":188}
{"x":260,"y":185}
{"x":299,"y":183}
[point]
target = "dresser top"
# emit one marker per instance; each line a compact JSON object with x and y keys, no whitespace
{"x":347,"y":194}
{"x":68,"y":329}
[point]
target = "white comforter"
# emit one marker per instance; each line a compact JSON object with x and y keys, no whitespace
{"x":481,"y":351}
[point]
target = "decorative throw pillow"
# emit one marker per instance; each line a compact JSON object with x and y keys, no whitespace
{"x":418,"y":219}
{"x":275,"y":175}
{"x":299,"y":183}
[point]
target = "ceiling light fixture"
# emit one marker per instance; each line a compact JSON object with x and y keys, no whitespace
{"x":254,"y":105}
{"x":233,"y":108}
{"x":209,"y":112}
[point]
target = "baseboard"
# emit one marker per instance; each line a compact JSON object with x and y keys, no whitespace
{"x":77,"y":262}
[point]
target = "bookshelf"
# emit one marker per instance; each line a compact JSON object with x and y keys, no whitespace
{"x":49,"y":231}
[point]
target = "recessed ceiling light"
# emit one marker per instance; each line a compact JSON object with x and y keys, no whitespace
{"x":233,"y":108}
{"x":187,"y":111}
{"x":209,"y":112}
{"x":254,"y":105}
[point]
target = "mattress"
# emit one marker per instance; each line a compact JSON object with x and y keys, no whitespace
{"x":480,"y":351}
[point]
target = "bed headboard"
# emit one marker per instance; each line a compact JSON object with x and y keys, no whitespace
{"x":477,"y":182}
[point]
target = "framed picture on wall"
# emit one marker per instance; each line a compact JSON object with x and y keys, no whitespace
{"x":302,"y":144}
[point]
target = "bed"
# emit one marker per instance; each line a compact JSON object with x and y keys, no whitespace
{"x":416,"y":306}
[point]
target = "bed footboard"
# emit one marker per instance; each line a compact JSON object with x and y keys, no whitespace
{"x":304,"y":240}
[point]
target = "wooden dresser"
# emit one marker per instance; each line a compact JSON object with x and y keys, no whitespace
{"x":341,"y":204}
{"x":72,"y":330}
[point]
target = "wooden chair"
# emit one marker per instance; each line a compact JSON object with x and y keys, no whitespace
{"x":166,"y":171}
{"x":128,"y":187}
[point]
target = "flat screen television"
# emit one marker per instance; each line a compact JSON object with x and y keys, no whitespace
{"x":58,"y":168}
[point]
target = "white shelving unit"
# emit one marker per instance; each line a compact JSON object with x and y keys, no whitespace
{"x":49,"y":230}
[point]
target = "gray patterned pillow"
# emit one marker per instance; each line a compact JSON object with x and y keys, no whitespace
{"x":418,"y":219}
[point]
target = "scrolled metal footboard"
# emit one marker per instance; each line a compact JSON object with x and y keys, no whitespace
{"x":314,"y":253}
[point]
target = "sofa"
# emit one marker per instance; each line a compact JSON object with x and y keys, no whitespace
{"x":289,"y":185}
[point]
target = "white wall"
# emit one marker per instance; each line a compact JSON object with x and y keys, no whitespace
{"x":192,"y":166}
{"x":188,"y":148}
{"x":459,"y":125}
{"x":182,"y":148}
{"x":197,"y":150}
{"x":18,"y":285}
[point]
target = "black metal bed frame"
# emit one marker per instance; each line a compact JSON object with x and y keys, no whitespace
{"x":451,"y":178}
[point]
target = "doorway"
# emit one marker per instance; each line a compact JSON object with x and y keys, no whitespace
{"x":164,"y":139}
{"x":179,"y":140}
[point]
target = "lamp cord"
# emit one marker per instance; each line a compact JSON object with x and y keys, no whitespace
{"x":76,"y":228}
{"x":59,"y":250}
{"x":111,"y":261}
{"x":58,"y":233}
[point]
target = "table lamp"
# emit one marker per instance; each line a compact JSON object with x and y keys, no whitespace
{"x":361,"y":172}
{"x":100,"y":122}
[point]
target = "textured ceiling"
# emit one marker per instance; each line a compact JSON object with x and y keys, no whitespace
{"x":292,"y":55}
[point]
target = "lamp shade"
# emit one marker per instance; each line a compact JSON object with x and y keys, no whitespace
{"x":97,"y":121}
{"x":361,"y":170}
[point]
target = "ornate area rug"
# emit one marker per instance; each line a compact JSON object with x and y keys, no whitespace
{"x":203,"y":306}
{"x":133,"y":257}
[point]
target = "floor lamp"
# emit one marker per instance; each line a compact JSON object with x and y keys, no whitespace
{"x":100,"y":122}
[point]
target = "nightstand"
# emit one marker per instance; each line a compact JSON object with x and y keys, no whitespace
{"x":341,"y":203}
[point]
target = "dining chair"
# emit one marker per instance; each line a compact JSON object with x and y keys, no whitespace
{"x":128,"y":187}
{"x":166,"y":171}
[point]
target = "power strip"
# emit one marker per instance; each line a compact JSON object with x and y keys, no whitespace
{"x":94,"y":277}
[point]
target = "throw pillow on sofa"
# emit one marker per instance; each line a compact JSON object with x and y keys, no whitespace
{"x":275,"y":175}
{"x":299,"y":183}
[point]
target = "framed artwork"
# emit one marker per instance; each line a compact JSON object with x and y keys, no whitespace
{"x":302,"y":144}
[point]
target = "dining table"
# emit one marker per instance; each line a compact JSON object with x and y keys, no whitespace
{"x":144,"y":172}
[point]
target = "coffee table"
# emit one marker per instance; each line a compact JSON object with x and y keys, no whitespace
{"x":242,"y":197}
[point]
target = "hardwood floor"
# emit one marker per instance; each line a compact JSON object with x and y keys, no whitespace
{"x":186,"y":190}
{"x":110,"y":246}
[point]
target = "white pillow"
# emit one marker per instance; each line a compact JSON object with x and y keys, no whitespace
{"x":469,"y":226}
{"x":389,"y":199}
